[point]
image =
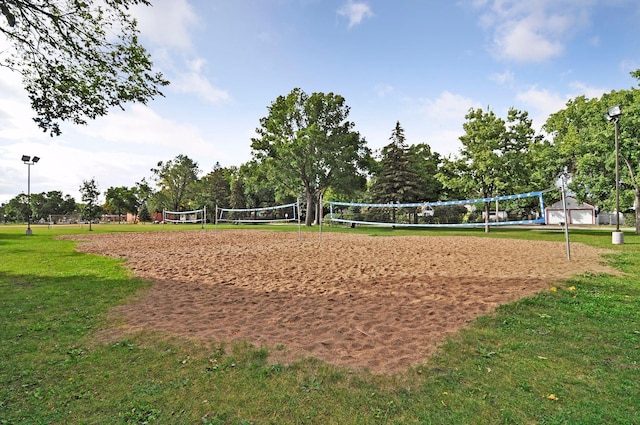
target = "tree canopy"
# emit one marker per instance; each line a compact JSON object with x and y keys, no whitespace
{"x":175,"y":178}
{"x":78,"y":58}
{"x":121,"y":200}
{"x":584,"y":142}
{"x":495,"y":155}
{"x":308,"y":145}
{"x":397,"y":181}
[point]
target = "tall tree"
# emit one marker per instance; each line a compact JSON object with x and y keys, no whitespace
{"x":144,"y":193}
{"x":396,"y":181}
{"x":175,"y":179}
{"x":121,"y":200}
{"x":308,"y":145}
{"x":214,"y":189}
{"x":494,"y":156}
{"x":584,"y":141}
{"x":259,"y":190}
{"x":426,"y":164}
{"x":89,"y":193}
{"x":237,"y":198}
{"x":77,"y":58}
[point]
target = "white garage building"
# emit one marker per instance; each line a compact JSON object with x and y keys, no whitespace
{"x":577,"y":213}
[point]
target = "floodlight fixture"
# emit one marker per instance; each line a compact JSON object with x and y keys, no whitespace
{"x":26,"y":158}
{"x":614,"y":112}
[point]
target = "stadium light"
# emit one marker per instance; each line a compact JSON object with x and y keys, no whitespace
{"x":613,"y":114}
{"x":29,"y":161}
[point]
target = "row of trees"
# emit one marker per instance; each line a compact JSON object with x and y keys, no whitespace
{"x":307,"y":148}
{"x":78,"y":59}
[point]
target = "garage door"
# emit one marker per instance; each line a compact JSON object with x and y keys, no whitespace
{"x":581,"y":217}
{"x":555,"y":216}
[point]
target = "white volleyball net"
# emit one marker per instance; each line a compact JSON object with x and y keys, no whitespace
{"x":184,"y":217}
{"x":520,"y":209}
{"x":273,"y":214}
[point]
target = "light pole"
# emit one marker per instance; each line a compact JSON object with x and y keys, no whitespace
{"x":29,"y":161}
{"x":613,"y":114}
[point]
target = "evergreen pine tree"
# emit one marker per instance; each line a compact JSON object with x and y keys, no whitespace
{"x":397,"y":181}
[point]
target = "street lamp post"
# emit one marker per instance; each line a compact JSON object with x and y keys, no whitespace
{"x":29,"y":161}
{"x":613,"y":114}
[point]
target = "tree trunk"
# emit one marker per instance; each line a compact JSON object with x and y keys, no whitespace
{"x":308,"y":220}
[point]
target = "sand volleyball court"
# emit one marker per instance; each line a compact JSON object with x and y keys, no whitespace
{"x":382,"y":303}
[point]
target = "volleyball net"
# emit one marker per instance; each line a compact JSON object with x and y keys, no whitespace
{"x":507,"y":210}
{"x":272,"y":214}
{"x":184,"y":217}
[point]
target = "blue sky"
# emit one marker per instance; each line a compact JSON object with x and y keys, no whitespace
{"x":421,"y":62}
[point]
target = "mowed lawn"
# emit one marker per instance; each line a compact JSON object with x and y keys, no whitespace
{"x":570,"y":355}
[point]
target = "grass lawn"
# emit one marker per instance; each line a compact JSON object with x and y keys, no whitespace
{"x":566,"y":356}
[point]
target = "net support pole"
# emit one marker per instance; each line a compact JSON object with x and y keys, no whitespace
{"x":204,"y":218}
{"x":215,"y":219}
{"x":320,"y":209}
{"x":164,"y":218}
{"x":566,"y":217}
{"x":298,"y":216}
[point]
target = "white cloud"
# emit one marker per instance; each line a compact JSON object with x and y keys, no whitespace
{"x":525,"y":42}
{"x":532,"y":31}
{"x":506,"y":78}
{"x":15,"y":109}
{"x":542,"y":99}
{"x":443,"y":118}
{"x":118,"y":150}
{"x":355,"y":12}
{"x":167,"y":23}
{"x":580,"y":89}
{"x":139,"y":125}
{"x":447,"y":107}
{"x":383,"y":90}
{"x":194,"y":82}
{"x":628,"y":65}
{"x":541,"y":103}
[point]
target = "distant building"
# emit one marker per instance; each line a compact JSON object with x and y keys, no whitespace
{"x":577,"y":213}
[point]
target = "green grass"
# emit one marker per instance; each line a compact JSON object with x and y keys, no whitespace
{"x":566,"y":357}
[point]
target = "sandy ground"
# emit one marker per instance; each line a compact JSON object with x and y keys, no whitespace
{"x":382,"y":303}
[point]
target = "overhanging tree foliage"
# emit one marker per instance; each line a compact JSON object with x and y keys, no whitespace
{"x":78,"y":58}
{"x":308,"y":145}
